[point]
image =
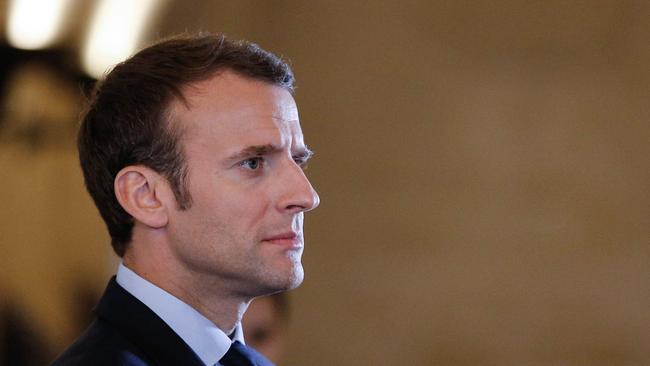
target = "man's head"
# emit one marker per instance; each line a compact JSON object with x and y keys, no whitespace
{"x":193,"y":152}
{"x":129,"y":121}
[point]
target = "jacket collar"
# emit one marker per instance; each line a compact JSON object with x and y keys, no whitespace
{"x":143,"y":328}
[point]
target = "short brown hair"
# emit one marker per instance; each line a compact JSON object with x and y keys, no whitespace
{"x":127,"y":120}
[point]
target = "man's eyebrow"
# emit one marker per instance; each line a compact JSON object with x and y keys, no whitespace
{"x":260,"y":150}
{"x":255,"y":150}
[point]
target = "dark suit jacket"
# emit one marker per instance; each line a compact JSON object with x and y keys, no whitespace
{"x":126,"y":332}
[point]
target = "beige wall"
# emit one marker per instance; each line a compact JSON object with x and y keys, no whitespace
{"x":483,"y":169}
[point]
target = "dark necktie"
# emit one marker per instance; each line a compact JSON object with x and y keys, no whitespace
{"x":240,"y":355}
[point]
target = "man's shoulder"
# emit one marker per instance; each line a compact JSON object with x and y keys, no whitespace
{"x":126,"y":332}
{"x":100,"y":345}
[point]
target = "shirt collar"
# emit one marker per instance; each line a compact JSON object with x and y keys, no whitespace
{"x":206,"y":339}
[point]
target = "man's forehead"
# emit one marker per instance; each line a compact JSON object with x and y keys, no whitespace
{"x":269,"y":128}
{"x":240,"y":97}
{"x":227,"y":84}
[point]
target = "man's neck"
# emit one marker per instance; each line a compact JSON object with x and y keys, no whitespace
{"x":206,"y":296}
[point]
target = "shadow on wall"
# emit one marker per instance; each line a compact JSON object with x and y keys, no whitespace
{"x":23,"y":341}
{"x":20,"y":341}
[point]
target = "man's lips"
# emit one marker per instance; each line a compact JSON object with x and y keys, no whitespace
{"x":289,"y":239}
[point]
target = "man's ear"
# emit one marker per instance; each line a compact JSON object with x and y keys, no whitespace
{"x":143,"y":193}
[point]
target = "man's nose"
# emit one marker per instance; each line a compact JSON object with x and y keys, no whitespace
{"x":298,"y":193}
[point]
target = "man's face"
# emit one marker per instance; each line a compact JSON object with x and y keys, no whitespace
{"x":244,"y":150}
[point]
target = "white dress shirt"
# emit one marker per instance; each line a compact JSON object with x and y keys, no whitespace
{"x":204,"y":338}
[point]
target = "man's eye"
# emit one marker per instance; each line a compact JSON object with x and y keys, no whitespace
{"x":253,"y":163}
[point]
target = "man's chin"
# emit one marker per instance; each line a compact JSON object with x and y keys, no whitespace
{"x":290,"y":279}
{"x":293,"y":272}
{"x":297,"y":278}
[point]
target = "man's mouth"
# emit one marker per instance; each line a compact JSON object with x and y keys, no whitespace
{"x":286,"y":239}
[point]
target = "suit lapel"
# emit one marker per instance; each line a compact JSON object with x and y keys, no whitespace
{"x":142,"y":327}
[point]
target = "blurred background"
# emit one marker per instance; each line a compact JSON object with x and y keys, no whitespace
{"x":484,"y":169}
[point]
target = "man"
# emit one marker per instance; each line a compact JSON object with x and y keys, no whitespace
{"x":193,"y":153}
